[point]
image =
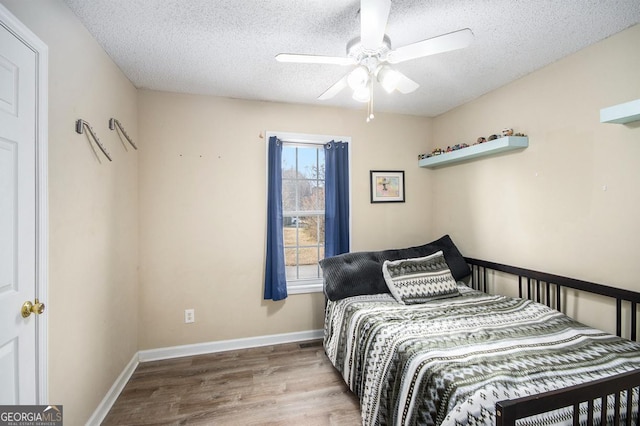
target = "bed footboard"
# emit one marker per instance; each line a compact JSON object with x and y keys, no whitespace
{"x":547,"y":288}
{"x":621,"y":386}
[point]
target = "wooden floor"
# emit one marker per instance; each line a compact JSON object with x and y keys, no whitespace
{"x":291,"y":384}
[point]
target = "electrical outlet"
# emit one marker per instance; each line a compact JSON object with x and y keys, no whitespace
{"x":189,"y":316}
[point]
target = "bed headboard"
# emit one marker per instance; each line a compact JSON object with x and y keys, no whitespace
{"x":548,"y":289}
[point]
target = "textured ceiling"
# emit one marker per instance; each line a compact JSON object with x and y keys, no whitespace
{"x":227,"y":47}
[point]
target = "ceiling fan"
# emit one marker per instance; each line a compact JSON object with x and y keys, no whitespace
{"x":373,"y":56}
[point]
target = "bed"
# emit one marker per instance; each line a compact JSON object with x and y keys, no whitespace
{"x":456,"y":355}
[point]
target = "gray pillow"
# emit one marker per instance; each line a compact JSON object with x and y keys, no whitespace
{"x":353,"y":274}
{"x":419,"y":280}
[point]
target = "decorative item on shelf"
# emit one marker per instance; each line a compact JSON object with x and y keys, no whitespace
{"x":459,"y":146}
{"x":504,"y":144}
{"x":436,"y":151}
{"x":506,"y":132}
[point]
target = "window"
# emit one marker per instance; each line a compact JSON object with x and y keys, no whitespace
{"x":307,"y":209}
{"x":303,"y":212}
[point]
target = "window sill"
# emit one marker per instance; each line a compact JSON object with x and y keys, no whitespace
{"x":301,"y":287}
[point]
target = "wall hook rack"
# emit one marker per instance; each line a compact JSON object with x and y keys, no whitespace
{"x":81,"y":125}
{"x":113,"y":123}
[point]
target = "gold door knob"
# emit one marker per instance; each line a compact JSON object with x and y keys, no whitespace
{"x":28,"y":308}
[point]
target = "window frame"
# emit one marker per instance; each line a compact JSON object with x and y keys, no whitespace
{"x":300,"y":286}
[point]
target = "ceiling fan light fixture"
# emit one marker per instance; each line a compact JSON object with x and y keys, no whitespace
{"x":358,"y":78}
{"x":362,"y":94}
{"x":388,"y":78}
{"x":373,"y":57}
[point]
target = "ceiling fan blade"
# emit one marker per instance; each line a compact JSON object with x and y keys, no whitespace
{"x":335,"y":89}
{"x":373,"y":22}
{"x":405,"y":84}
{"x":314,"y":59}
{"x":444,"y":43}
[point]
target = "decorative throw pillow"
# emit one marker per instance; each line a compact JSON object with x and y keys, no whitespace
{"x":353,"y":274}
{"x":419,"y":280}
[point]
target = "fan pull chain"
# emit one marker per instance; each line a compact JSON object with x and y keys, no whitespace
{"x":370,"y":115}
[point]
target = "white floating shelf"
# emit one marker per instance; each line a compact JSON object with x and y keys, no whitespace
{"x":622,"y":113}
{"x":507,"y":143}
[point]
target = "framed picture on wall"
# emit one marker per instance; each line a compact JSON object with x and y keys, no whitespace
{"x":387,"y":186}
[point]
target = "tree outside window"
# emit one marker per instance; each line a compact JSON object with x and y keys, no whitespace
{"x":303,"y":187}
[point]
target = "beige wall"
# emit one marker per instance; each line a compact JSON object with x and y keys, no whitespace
{"x":199,"y":218}
{"x":202,"y":206}
{"x":93,"y":214}
{"x":192,"y":199}
{"x":545,"y":207}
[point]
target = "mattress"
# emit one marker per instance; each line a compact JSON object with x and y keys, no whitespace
{"x":448,"y":361}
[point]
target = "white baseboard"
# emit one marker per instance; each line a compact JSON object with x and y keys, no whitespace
{"x":110,"y":398}
{"x":107,"y":402}
{"x":227,"y":345}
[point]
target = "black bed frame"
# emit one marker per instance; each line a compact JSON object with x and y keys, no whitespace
{"x":549,"y":289}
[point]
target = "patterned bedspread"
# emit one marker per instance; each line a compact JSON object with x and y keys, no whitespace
{"x":449,"y":361}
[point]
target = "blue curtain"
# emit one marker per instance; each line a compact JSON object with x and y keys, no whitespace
{"x":336,"y":240}
{"x":275,"y":283}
